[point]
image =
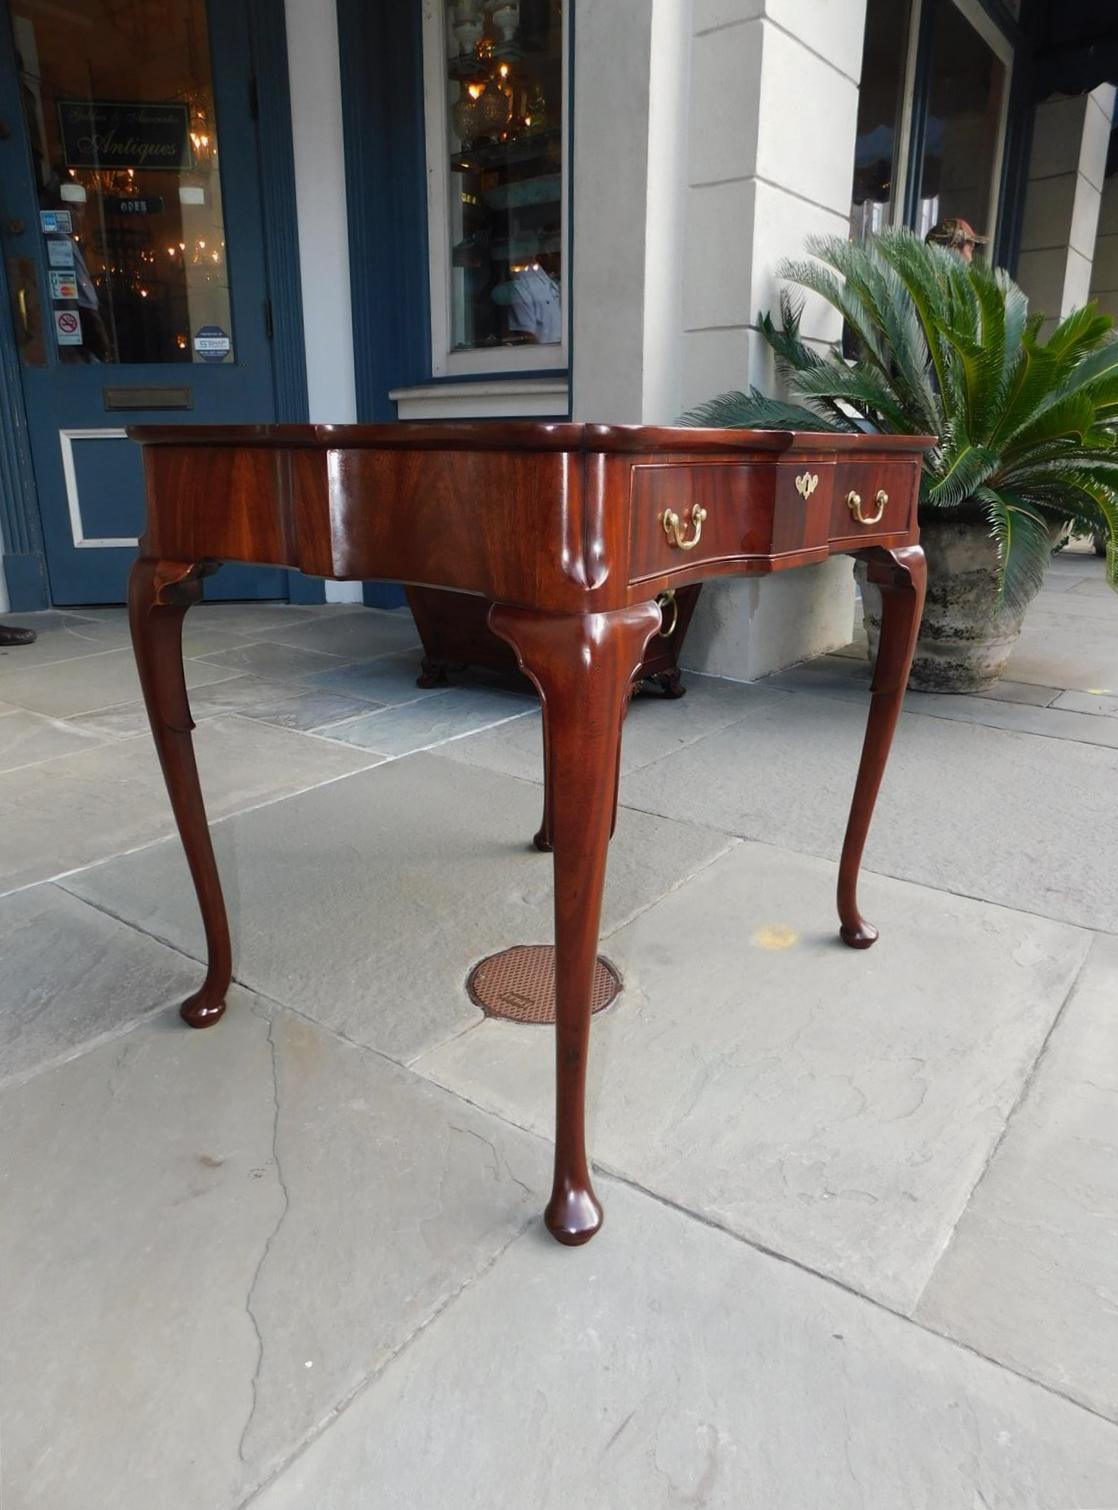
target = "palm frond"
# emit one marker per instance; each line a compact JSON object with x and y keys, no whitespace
{"x":753,"y":411}
{"x":964,"y":474}
{"x":1024,"y":545}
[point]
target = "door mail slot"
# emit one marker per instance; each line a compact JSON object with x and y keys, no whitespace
{"x":148,"y":398}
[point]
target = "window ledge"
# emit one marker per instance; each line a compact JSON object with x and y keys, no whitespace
{"x":497,"y":398}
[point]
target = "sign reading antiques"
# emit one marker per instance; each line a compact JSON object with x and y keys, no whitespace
{"x":125,"y":134}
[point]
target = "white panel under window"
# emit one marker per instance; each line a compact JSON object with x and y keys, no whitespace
{"x":495,"y":91}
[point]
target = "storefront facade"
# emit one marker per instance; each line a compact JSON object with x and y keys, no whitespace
{"x":480,"y":208}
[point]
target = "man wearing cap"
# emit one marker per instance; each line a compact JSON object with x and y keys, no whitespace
{"x":957,"y":235}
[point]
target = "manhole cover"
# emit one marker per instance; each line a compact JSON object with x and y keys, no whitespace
{"x":519,"y":984}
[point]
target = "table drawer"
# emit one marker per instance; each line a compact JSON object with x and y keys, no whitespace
{"x":720,"y":511}
{"x":873,"y":499}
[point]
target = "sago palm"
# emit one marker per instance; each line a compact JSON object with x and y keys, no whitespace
{"x":1025,"y":425}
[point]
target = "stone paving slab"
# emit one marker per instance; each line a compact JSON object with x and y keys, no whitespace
{"x":26,"y":738}
{"x":1052,"y":651}
{"x":666,"y":1365}
{"x":987,"y":812}
{"x":212,"y":1239}
{"x":365,"y":903}
{"x":355,"y":636}
{"x":1030,"y":1274}
{"x":1049,"y":712}
{"x":70,"y":976}
{"x":62,"y":814}
{"x":835,"y":1105}
{"x":1076,"y":605}
{"x":270,"y":659}
{"x":1094,"y":587}
{"x":850,"y":667}
{"x":80,"y":685}
{"x":62,"y":637}
{"x":1097,"y":704}
{"x":1061,"y":582}
{"x":387,"y":679}
{"x":654,"y":727}
{"x":291,"y":705}
{"x":430,"y":721}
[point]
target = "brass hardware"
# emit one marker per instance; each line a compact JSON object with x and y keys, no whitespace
{"x":16,"y":227}
{"x":666,"y":603}
{"x":807,"y":484}
{"x":675,"y":531}
{"x":147,"y":398}
{"x":854,"y":504}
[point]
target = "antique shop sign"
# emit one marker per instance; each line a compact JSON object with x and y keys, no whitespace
{"x":125,"y":134}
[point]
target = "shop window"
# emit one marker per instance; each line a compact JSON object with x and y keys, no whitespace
{"x":965,"y":126}
{"x":495,"y":102}
{"x":932,"y":106}
{"x":880,"y":101}
{"x":119,"y":113}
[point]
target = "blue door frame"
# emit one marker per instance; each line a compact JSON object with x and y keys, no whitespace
{"x":247,"y":44}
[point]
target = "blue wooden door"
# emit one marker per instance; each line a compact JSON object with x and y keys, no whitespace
{"x":133,"y":237}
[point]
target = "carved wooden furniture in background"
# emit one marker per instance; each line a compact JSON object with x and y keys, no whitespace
{"x":454,"y":629}
{"x":571,"y":530}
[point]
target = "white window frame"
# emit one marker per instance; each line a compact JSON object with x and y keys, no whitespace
{"x":999,"y":44}
{"x":500,"y":359}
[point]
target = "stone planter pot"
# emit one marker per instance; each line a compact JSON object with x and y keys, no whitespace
{"x":966,"y":636}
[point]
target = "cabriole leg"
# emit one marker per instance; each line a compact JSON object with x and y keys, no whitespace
{"x":902,"y":577}
{"x":583,"y":666}
{"x":159,"y":593}
{"x":542,"y":839}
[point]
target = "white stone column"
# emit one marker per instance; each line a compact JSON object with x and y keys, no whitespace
{"x":1104,"y":269}
{"x":774,"y":102}
{"x":320,"y":198}
{"x":711,"y":137}
{"x":1066,"y":168}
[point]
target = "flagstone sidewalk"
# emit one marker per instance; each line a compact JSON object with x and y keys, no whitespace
{"x":861,"y":1246}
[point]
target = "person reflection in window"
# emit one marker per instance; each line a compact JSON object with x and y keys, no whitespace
{"x":535,"y":303}
{"x":957,"y":236}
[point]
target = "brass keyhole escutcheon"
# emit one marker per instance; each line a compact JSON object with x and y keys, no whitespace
{"x":669,"y":614}
{"x":854,"y":504}
{"x":806,"y":484}
{"x":675,"y":531}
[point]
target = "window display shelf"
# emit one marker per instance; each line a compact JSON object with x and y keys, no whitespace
{"x":500,"y":121}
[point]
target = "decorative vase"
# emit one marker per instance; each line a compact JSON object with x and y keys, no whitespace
{"x":464,"y":118}
{"x":507,"y":19}
{"x":467,"y":31}
{"x":966,"y":634}
{"x":494,"y":107}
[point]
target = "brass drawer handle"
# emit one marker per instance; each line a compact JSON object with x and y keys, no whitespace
{"x":807,"y":484}
{"x":854,"y":504}
{"x":675,"y":531}
{"x":669,"y":615}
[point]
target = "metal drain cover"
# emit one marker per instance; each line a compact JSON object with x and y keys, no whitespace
{"x":519,"y":984}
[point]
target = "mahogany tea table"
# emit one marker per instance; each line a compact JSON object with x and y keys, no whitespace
{"x":572,"y":530}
